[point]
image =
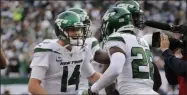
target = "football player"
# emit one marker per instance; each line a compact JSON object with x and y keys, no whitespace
{"x":138,"y":19}
{"x":92,"y":43}
{"x":57,"y":63}
{"x":130,"y":57}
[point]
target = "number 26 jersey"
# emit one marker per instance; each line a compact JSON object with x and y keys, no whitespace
{"x":138,"y":69}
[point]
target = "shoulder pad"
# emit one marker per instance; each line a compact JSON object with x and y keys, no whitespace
{"x":46,"y":46}
{"x":92,"y":42}
{"x":116,"y":37}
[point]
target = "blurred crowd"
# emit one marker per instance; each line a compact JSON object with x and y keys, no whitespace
{"x":24,"y":24}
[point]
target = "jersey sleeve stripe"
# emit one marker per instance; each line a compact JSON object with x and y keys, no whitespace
{"x":94,"y":43}
{"x":116,"y":39}
{"x":44,"y":50}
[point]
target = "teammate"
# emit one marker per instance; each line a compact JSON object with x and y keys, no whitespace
{"x":138,"y":19}
{"x":57,"y":63}
{"x":130,"y":57}
{"x":92,"y":43}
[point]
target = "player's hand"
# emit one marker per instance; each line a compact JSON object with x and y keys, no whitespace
{"x":164,"y":42}
{"x":91,"y":93}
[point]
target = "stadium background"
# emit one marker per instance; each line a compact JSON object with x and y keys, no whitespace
{"x":24,"y":24}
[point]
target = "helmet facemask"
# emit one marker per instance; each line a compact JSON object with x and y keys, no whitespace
{"x":87,"y":23}
{"x":138,"y":19}
{"x":74,"y":35}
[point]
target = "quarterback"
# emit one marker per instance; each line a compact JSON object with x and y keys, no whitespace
{"x":98,"y":55}
{"x":57,"y":64}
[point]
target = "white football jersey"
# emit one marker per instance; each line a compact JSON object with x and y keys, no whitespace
{"x":93,"y":46}
{"x":63,"y":66}
{"x":137,"y":74}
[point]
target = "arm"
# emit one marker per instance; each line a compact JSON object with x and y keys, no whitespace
{"x":39,"y":65}
{"x":3,"y":60}
{"x":117,"y":61}
{"x":88,"y":71}
{"x":37,"y":74}
{"x":177,"y":65}
{"x":101,"y":57}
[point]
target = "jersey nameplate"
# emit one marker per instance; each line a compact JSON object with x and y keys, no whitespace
{"x":71,"y":62}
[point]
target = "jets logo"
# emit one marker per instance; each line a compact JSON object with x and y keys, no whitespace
{"x":125,"y":5}
{"x":60,"y":21}
{"x":106,"y":16}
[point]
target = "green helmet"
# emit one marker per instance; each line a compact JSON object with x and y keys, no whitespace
{"x":84,"y":17}
{"x":117,"y":19}
{"x":66,"y":21}
{"x":135,"y":10}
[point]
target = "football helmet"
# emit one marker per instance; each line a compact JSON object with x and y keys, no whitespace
{"x":69,"y":28}
{"x":84,"y":17}
{"x":116,"y":19}
{"x":135,"y":10}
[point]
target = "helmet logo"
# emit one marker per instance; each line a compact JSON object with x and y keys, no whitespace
{"x":60,"y":21}
{"x":106,"y":16}
{"x":125,"y":5}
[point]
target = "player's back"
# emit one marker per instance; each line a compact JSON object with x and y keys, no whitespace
{"x":63,"y":66}
{"x":138,"y":69}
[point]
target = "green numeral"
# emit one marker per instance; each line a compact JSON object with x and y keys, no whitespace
{"x":145,"y":61}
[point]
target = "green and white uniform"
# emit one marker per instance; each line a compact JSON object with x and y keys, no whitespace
{"x":93,"y":46}
{"x":137,"y":73}
{"x":62,"y":67}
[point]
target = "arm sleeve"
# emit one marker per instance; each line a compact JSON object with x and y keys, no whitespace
{"x":177,"y":65}
{"x":38,"y":72}
{"x":115,"y":68}
{"x":40,"y":59}
{"x":86,"y":68}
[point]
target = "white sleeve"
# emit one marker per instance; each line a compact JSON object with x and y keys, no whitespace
{"x":40,"y":59}
{"x":38,"y":72}
{"x":115,"y":68}
{"x":86,"y":68}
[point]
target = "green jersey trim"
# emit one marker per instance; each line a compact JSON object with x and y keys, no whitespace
{"x":94,"y":43}
{"x":44,"y":50}
{"x":116,"y":39}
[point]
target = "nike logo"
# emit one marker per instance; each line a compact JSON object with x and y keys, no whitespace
{"x":58,"y":59}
